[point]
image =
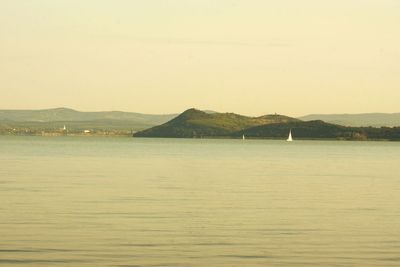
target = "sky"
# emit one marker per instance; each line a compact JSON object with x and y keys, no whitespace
{"x":251,"y":57}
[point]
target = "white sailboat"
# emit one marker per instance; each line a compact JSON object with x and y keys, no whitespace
{"x":290,"y":139}
{"x":243,"y":137}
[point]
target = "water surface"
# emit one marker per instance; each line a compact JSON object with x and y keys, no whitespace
{"x":76,"y":201}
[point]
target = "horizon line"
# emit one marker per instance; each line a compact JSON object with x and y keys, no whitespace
{"x":206,"y":110}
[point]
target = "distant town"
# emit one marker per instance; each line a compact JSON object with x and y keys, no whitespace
{"x":62,"y":132}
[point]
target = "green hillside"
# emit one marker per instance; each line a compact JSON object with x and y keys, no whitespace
{"x":302,"y":130}
{"x":196,"y":123}
{"x":321,"y":130}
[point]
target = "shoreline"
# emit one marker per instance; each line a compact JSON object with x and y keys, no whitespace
{"x":205,"y":137}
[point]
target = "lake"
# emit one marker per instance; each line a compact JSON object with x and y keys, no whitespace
{"x":97,"y":201}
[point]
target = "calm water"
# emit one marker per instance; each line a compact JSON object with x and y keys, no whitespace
{"x":161,"y":202}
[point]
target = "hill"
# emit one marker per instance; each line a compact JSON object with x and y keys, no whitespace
{"x":304,"y":130}
{"x":321,"y":130}
{"x":196,"y":123}
{"x":66,"y":114}
{"x":358,"y":120}
{"x":54,"y":119}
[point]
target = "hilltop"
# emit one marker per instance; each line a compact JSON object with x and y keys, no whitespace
{"x":197,"y":123}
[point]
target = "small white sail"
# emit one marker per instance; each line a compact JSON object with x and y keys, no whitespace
{"x":290,"y":139}
{"x":243,"y":137}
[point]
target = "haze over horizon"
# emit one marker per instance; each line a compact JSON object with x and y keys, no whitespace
{"x":249,"y":57}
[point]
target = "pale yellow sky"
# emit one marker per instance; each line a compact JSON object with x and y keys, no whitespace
{"x":163,"y":56}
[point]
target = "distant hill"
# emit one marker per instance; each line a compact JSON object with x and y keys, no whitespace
{"x":358,"y":120}
{"x":50,"y":119}
{"x":196,"y":123}
{"x":66,"y":114}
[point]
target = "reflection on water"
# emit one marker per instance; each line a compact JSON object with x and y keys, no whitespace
{"x":165,"y":202}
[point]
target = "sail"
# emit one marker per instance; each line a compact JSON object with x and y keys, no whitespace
{"x":243,"y":137}
{"x":290,"y":139}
